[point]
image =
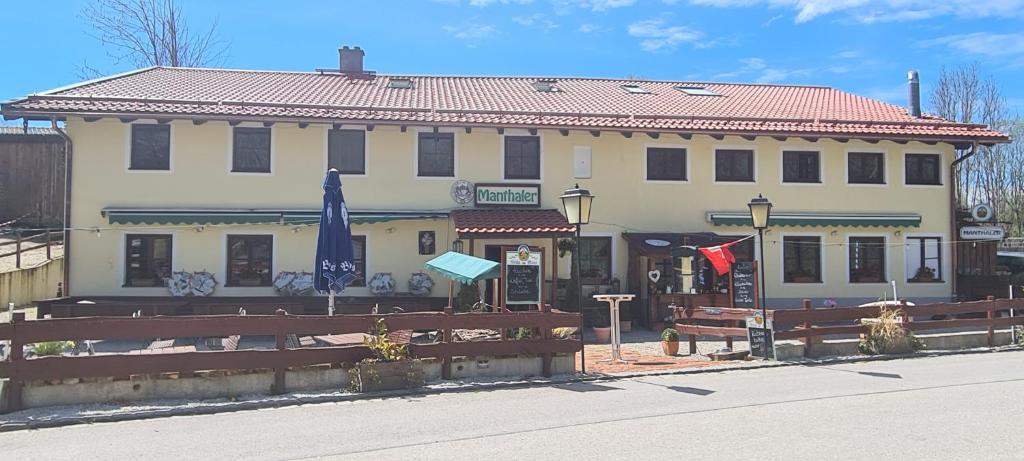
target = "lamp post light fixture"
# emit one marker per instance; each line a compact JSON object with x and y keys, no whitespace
{"x":576,"y":203}
{"x":760,"y":212}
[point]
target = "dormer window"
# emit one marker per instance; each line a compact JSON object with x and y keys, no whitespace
{"x":635,"y":89}
{"x":546,"y":86}
{"x":400,"y":83}
{"x":696,"y":91}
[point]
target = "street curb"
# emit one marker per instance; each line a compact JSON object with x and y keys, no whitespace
{"x":473,"y":387}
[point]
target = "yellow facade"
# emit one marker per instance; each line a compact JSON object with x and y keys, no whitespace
{"x":626,"y":201}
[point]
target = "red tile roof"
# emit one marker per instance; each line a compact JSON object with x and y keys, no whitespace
{"x":580,"y":103}
{"x":519,"y":221}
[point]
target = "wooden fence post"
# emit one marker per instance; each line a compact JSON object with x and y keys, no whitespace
{"x":991,"y":315}
{"x":545,"y":333}
{"x":17,"y":354}
{"x":17,"y":249}
{"x":693,"y":344}
{"x":279,"y":339}
{"x":808,"y":339}
{"x":446,"y":338}
{"x":48,"y":254}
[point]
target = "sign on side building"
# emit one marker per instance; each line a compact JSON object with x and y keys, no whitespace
{"x":507,"y":195}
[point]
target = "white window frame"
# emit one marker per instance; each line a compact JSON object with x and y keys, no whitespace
{"x":416,"y":152}
{"x":231,"y":149}
{"x":714,"y":163}
{"x":226,"y":260}
{"x":128,"y":147}
{"x":327,"y":149}
{"x":688,"y":154}
{"x":540,"y":155}
{"x":782,"y":165}
{"x":944,"y":253}
{"x":943,"y":173}
{"x":886,"y":167}
{"x":823,"y":259}
{"x":887,"y":260}
{"x":123,"y":256}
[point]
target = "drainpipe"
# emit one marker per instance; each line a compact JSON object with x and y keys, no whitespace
{"x":68,"y":147}
{"x":954,"y":236}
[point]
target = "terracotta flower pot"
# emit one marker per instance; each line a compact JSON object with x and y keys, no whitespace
{"x":603,"y":335}
{"x":670,"y":347}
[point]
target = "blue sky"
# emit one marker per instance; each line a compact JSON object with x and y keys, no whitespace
{"x":863,"y":46}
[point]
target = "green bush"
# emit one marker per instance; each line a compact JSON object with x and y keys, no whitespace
{"x":51,"y":348}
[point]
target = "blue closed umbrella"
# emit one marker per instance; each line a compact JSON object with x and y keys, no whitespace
{"x":335,"y":267}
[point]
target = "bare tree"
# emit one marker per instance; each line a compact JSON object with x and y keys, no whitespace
{"x":150,"y":33}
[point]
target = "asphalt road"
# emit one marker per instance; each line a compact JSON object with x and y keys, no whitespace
{"x":954,"y":407}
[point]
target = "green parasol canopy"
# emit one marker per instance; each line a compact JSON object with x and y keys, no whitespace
{"x":464,"y":268}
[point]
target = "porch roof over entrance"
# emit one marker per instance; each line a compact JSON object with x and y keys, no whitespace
{"x":499,"y":223}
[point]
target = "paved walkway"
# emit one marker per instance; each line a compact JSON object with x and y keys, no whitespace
{"x":643,"y":349}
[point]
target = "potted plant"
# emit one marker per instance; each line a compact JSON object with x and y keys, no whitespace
{"x":670,"y":341}
{"x":924,"y":274}
{"x":602,"y":327}
{"x":390,"y":367}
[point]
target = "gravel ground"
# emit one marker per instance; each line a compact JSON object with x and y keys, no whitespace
{"x":29,"y":258}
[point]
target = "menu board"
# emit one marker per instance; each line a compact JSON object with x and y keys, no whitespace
{"x":522,"y":276}
{"x":743,"y":294}
{"x":760,"y":340}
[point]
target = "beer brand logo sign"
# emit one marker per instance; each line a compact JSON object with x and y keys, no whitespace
{"x":507,"y":195}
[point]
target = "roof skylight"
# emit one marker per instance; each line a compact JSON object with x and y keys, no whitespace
{"x":398,"y":82}
{"x":635,"y":89}
{"x":696,"y":91}
{"x":546,"y":86}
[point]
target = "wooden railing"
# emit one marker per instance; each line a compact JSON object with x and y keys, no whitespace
{"x":45,"y":239}
{"x":104,"y":306}
{"x":21,"y":332}
{"x":811,"y":325}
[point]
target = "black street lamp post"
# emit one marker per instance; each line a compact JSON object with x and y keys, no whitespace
{"x":760,"y":212}
{"x":576,"y":203}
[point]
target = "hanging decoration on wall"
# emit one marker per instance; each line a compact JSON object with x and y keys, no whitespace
{"x":294,"y":284}
{"x":382,"y":284}
{"x":654,"y":275}
{"x":420,"y":284}
{"x":427,"y":242}
{"x":183,"y":283}
{"x":462,"y":192}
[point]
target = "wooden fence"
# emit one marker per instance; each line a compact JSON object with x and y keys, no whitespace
{"x":21,"y":332}
{"x":103,"y":306}
{"x":22,"y":243}
{"x":811,"y":325}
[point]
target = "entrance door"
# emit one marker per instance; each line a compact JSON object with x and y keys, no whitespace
{"x":491,"y":253}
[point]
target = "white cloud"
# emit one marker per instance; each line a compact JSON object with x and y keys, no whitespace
{"x":872,"y":11}
{"x":659,"y":37}
{"x":471,"y":32}
{"x":848,"y":54}
{"x":758,"y":70}
{"x":486,"y":3}
{"x":588,"y":28}
{"x":538,"y":20}
{"x":772,"y":20}
{"x":566,"y":6}
{"x":981,"y":43}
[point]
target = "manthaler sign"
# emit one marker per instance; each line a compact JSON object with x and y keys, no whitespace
{"x":982,"y":233}
{"x":508,"y":195}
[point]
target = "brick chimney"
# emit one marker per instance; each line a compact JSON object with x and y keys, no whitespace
{"x":351,"y":60}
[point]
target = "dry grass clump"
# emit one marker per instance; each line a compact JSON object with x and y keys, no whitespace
{"x":886,"y":335}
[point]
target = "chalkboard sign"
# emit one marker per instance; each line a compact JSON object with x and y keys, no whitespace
{"x":743,"y":294}
{"x":522,"y":277}
{"x":761,"y":340}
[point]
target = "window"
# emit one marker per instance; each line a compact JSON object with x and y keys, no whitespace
{"x":522,"y":157}
{"x":546,"y":86}
{"x":151,"y":147}
{"x":436,"y":155}
{"x":801,"y":259}
{"x":923,"y":169}
{"x":147,"y":260}
{"x":801,"y":166}
{"x":250,"y":260}
{"x":359,"y":258}
{"x":867,"y":260}
{"x":400,"y":83}
{"x":734,"y":165}
{"x":865,"y":168}
{"x":346,"y":151}
{"x":596,"y":260}
{"x":696,"y":91}
{"x":250,"y":150}
{"x":666,"y":164}
{"x":924,"y":259}
{"x":635,"y":89}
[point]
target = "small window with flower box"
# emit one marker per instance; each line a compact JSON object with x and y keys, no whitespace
{"x":867,"y":260}
{"x":924,"y":259}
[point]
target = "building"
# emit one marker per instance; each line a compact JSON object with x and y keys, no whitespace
{"x":31,"y":177}
{"x":220,"y":170}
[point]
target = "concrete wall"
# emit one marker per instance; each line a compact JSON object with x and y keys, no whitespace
{"x":626,"y":201}
{"x":23,"y":286}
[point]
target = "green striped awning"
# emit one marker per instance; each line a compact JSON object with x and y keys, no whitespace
{"x":729,"y":218}
{"x":167,"y":216}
